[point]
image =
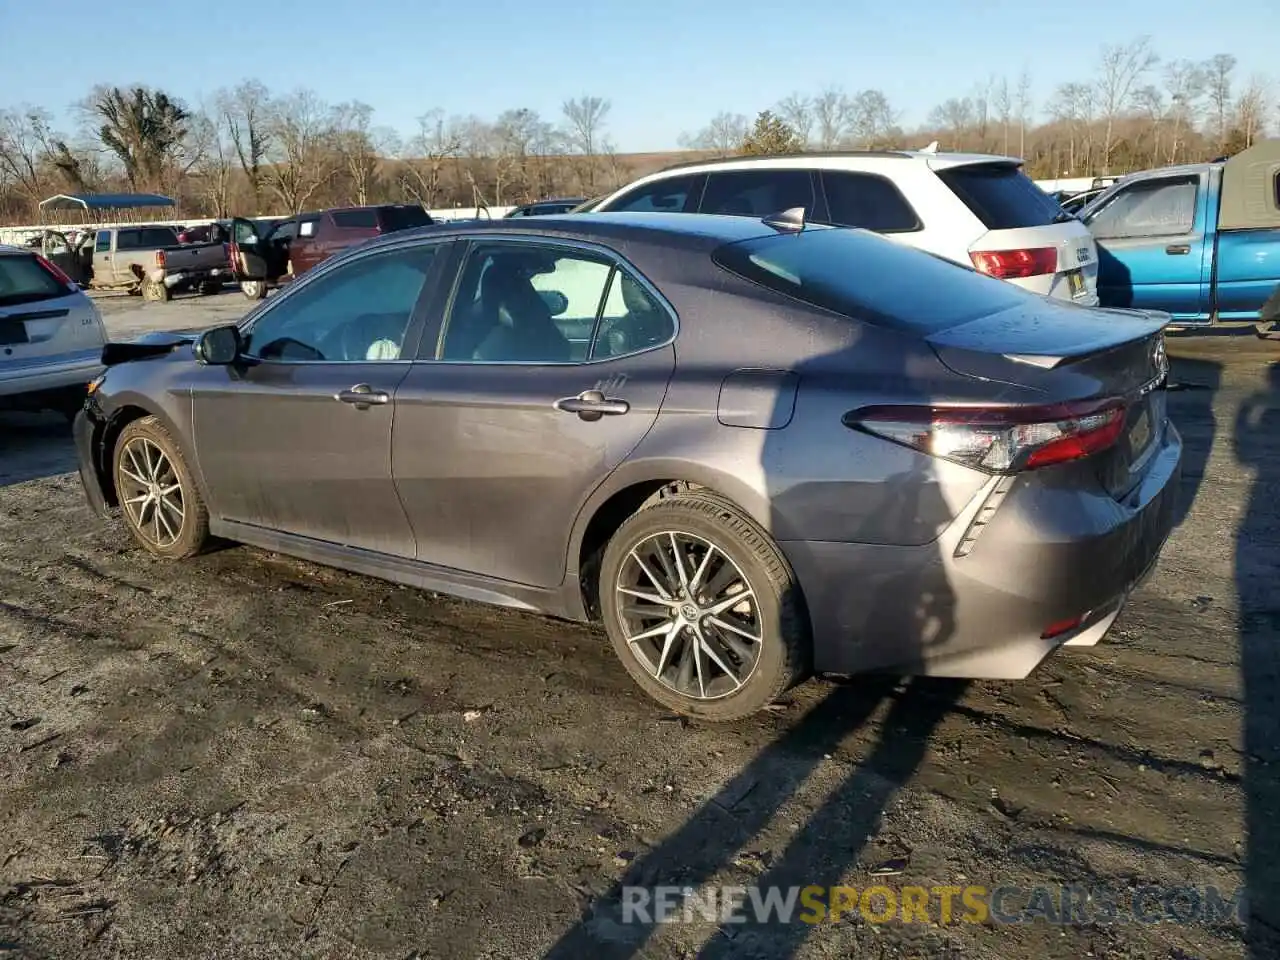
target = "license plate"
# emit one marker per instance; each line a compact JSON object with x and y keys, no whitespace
{"x":1075,"y":283}
{"x":1140,"y":432}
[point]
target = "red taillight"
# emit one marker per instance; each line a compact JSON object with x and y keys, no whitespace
{"x":1061,"y":627}
{"x":55,"y":271}
{"x":998,"y":439}
{"x":160,"y":259}
{"x":1016,"y":264}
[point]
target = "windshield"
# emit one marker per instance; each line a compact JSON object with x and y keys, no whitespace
{"x":866,"y":277}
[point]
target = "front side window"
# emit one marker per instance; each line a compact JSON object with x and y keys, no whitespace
{"x":103,"y":244}
{"x":1152,"y":208}
{"x":668,"y":195}
{"x":757,"y":193}
{"x":356,"y":313}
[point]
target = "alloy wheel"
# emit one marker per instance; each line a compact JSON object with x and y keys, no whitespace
{"x":151,"y":492}
{"x":689,"y":615}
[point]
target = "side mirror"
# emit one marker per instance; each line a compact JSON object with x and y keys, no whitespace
{"x":219,"y":347}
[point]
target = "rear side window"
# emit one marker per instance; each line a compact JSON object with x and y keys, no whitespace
{"x":103,"y":243}
{"x":870,"y":278}
{"x":757,"y":193}
{"x":668,"y":195}
{"x":404,"y":218}
{"x":1152,"y":208}
{"x":367,"y":219}
{"x":867,"y":201}
{"x":1001,"y":196}
{"x":23,"y":280}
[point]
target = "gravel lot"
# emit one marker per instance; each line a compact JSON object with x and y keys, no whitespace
{"x":250,"y":756}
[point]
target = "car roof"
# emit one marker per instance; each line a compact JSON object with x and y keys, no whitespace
{"x":704,"y":230}
{"x":832,"y":160}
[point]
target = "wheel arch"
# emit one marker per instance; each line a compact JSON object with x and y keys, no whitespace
{"x":627,"y":491}
{"x":129,"y":410}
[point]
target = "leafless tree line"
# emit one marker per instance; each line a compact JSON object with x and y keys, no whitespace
{"x":1137,"y":112}
{"x":246,"y":151}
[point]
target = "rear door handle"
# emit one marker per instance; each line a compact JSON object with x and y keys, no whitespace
{"x":362,"y":396}
{"x":1177,"y":249}
{"x":592,"y":405}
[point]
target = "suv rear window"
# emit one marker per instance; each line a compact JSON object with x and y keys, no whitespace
{"x":870,"y":278}
{"x":404,"y":218}
{"x":1001,"y":196}
{"x":23,"y":280}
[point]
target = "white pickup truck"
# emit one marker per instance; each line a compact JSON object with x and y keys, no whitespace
{"x":146,"y":259}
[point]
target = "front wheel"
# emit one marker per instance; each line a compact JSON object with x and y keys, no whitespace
{"x":162,"y":507}
{"x":253,"y":289}
{"x":702,"y":609}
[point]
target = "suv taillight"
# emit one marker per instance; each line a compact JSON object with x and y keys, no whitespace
{"x":1016,"y":264}
{"x":998,"y":439}
{"x":55,"y":271}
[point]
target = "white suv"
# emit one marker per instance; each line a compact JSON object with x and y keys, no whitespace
{"x":975,"y":209}
{"x":51,"y":335}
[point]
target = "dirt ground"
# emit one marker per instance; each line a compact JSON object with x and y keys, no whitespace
{"x":249,"y":756}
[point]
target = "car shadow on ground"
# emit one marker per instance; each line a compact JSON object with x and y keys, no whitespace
{"x":34,"y":446}
{"x":1257,"y":446}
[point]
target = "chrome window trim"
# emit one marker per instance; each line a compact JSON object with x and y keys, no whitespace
{"x":617,"y":261}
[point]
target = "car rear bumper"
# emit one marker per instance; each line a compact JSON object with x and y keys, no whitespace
{"x":1048,"y":556}
{"x":49,"y":373}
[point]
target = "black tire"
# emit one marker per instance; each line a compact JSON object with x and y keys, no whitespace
{"x":254,"y":289}
{"x":177,"y":537}
{"x":782,"y":655}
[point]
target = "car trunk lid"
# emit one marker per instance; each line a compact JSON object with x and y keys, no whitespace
{"x":1070,"y":353}
{"x":42,"y":314}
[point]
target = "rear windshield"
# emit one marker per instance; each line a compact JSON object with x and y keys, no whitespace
{"x":404,"y":218}
{"x":1001,"y":196}
{"x":355,"y":218}
{"x":23,"y":280}
{"x":867,"y":277}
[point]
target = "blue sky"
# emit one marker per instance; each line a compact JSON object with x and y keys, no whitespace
{"x":666,"y":65}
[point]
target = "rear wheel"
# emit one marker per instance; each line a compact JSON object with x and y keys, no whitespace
{"x":702,"y":609}
{"x":162,"y":507}
{"x":253,"y":289}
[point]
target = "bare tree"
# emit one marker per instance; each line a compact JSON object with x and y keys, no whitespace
{"x":144,"y":129}
{"x":1121,"y":70}
{"x":1002,"y":106}
{"x":1023,"y":101}
{"x":1184,"y":81}
{"x":1218,"y":71}
{"x":437,"y":142}
{"x":956,"y":117}
{"x":304,"y":157}
{"x":1251,"y":110}
{"x":1072,"y":106}
{"x":246,"y":112}
{"x":585,"y":119}
{"x":358,"y":146}
{"x":796,"y":110}
{"x":871,"y":119}
{"x":25,"y":146}
{"x":722,"y":136}
{"x":831,"y":113}
{"x":215,"y":166}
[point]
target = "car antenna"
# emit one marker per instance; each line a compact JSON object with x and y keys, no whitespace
{"x":931,"y":148}
{"x":788,"y":221}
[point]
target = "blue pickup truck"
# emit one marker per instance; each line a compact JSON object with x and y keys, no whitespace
{"x":1201,"y":241}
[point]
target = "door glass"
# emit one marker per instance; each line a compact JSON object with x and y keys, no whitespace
{"x":632,"y":320}
{"x":867,"y":201}
{"x":1154,"y":208}
{"x":667,"y":195}
{"x":757,"y":193}
{"x":520,"y":302}
{"x":357,"y":313}
{"x":103,"y":243}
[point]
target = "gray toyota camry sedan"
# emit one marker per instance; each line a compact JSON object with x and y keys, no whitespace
{"x":754,"y":450}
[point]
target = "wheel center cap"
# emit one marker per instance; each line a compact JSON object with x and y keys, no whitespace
{"x":689,"y":612}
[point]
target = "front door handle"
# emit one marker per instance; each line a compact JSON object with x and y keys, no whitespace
{"x":592,"y":405}
{"x":1177,"y":249}
{"x":362,"y":396}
